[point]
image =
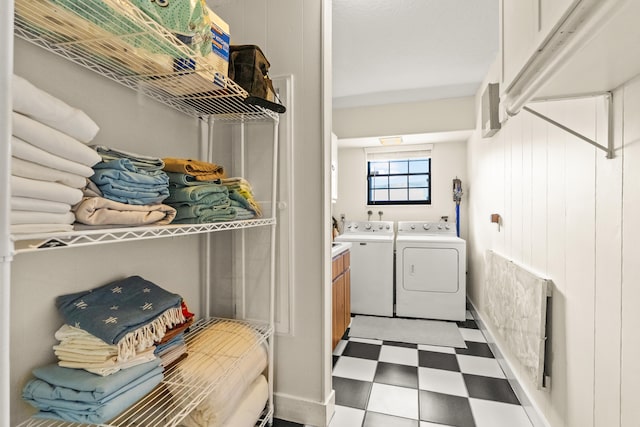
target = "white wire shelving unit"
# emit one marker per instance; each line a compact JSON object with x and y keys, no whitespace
{"x":183,"y":388}
{"x":119,"y":41}
{"x":116,"y":40}
{"x":38,"y":242}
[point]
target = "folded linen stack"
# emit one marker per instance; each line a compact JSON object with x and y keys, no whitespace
{"x":201,"y":194}
{"x":107,"y":360}
{"x":79,"y":396}
{"x":242,"y":198}
{"x":50,"y":159}
{"x":130,"y":178}
{"x":195,"y":192}
{"x":126,"y":189}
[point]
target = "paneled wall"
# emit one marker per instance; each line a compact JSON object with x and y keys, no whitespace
{"x":449,"y":160}
{"x":573,"y":216}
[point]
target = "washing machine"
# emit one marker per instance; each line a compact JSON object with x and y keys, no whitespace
{"x":430,"y":271}
{"x":371,"y":266}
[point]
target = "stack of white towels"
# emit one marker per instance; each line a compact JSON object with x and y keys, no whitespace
{"x":51,"y":160}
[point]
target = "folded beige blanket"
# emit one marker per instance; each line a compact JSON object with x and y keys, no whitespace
{"x":216,"y":355}
{"x":101,"y":211}
{"x":81,"y":350}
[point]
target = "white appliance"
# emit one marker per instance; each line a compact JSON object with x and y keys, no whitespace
{"x":430,"y":271}
{"x":371,"y":266}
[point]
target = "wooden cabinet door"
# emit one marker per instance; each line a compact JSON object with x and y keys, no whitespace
{"x":347,"y":298}
{"x":338,"y":325}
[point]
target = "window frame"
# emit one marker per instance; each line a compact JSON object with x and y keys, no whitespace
{"x":409,"y":160}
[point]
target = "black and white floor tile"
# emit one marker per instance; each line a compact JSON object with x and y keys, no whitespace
{"x":394,"y":384}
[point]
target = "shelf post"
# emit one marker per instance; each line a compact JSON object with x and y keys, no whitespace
{"x":6,"y":247}
{"x":272,"y":272}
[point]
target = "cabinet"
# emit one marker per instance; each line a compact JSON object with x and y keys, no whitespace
{"x":341,"y":295}
{"x":217,"y":267}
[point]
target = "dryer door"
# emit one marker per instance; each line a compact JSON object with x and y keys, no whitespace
{"x":430,"y":269}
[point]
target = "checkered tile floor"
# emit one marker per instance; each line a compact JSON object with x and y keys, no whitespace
{"x":393,"y":384}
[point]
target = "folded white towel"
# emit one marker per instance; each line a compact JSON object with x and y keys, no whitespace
{"x":25,"y":187}
{"x":38,"y":205}
{"x":29,"y":217}
{"x":40,"y":228}
{"x":25,"y":151}
{"x":27,"y":169}
{"x":46,"y":108}
{"x":53,"y":141}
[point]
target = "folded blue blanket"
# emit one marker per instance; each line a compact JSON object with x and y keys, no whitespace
{"x":208,"y":216}
{"x":117,"y":170}
{"x":133,"y":195}
{"x":128,"y":165}
{"x":128,"y":312}
{"x":96,"y":413}
{"x":241,"y":200}
{"x":195,"y":193}
{"x":53,"y":382}
{"x":143,"y":162}
{"x":198,"y":211}
{"x":177,"y":340}
{"x":242,"y":213}
{"x":183,"y":179}
{"x":211,"y":200}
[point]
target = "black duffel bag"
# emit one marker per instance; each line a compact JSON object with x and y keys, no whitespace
{"x":249,"y":68}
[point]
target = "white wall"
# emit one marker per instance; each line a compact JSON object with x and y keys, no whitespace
{"x":290,"y":34}
{"x":441,"y":115}
{"x":571,"y":215}
{"x":448,"y":161}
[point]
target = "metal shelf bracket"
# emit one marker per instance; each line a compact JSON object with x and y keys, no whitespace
{"x":609,"y":149}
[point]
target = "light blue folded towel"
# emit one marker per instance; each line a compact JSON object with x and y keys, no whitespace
{"x":96,"y":413}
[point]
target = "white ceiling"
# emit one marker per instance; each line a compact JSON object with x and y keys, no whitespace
{"x":392,"y":51}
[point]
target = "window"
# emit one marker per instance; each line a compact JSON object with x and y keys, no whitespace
{"x":399,"y":178}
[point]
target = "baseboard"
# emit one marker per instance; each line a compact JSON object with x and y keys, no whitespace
{"x":534,"y":414}
{"x":302,"y":411}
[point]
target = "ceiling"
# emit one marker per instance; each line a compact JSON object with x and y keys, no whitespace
{"x":397,"y":51}
{"x":390,"y":51}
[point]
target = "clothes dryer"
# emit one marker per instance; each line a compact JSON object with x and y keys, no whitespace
{"x":371,"y":266}
{"x":430,"y":271}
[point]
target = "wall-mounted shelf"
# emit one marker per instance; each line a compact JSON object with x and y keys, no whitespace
{"x":38,"y":242}
{"x":117,"y":40}
{"x":161,"y":407}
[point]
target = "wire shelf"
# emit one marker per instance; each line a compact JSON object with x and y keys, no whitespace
{"x":182,"y":388}
{"x":117,"y":40}
{"x":39,"y":242}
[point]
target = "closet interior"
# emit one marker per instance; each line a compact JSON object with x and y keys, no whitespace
{"x":113,"y":62}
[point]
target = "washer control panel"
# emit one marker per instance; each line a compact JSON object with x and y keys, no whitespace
{"x":422,"y":227}
{"x":385,"y":227}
